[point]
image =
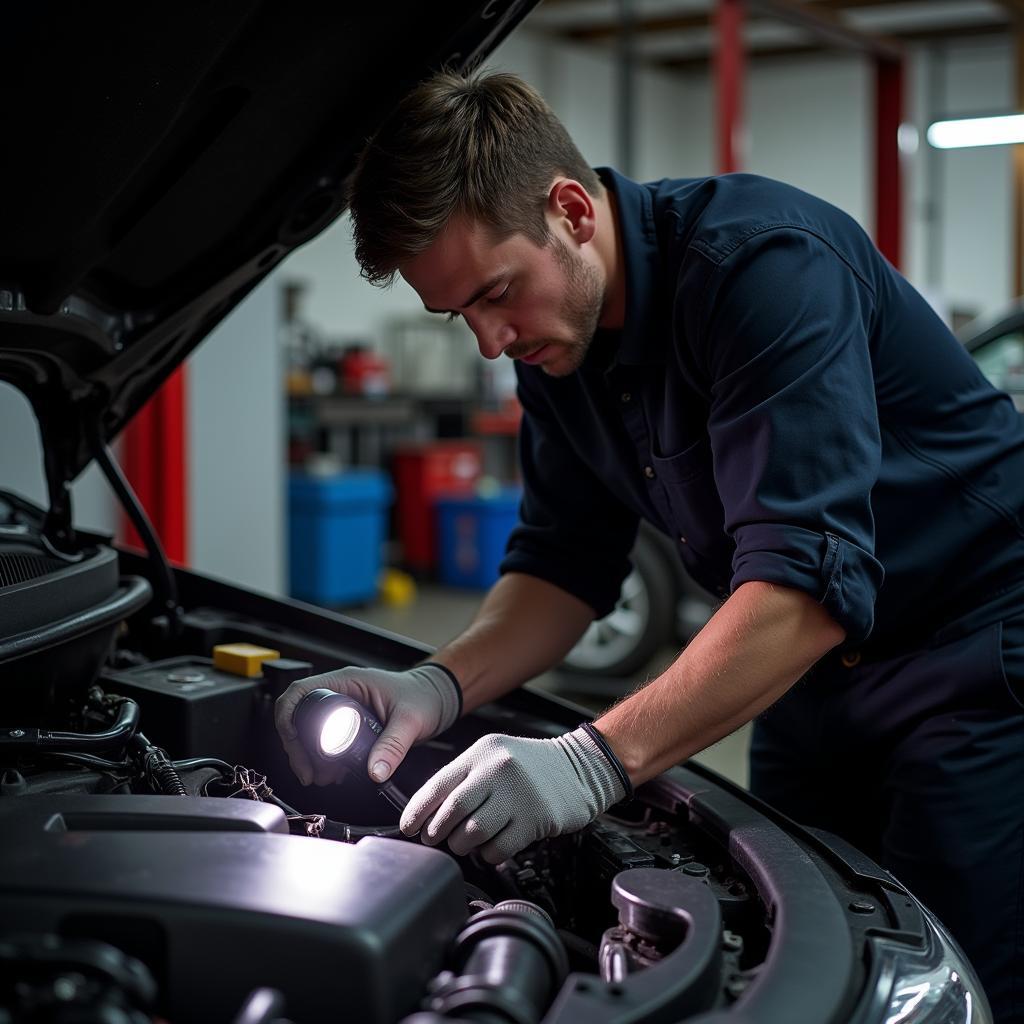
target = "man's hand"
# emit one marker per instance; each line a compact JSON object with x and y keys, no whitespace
{"x":503,"y":793}
{"x":413,"y":706}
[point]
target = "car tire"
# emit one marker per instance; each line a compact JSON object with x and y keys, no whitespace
{"x":643,"y":620}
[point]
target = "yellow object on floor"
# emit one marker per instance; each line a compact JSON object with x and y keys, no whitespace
{"x":397,"y":588}
{"x":242,"y":659}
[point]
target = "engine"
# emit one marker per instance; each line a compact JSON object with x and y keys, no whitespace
{"x":162,"y":863}
{"x":174,"y":886}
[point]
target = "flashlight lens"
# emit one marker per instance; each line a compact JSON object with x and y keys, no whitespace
{"x":339,"y":731}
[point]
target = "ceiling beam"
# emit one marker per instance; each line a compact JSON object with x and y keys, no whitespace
{"x":817,"y":17}
{"x":605,"y":27}
{"x":760,"y":56}
{"x":592,"y":33}
{"x":839,"y":5}
{"x":1015,"y":8}
{"x":938,"y":33}
{"x":598,"y":31}
{"x":703,"y":62}
{"x":830,"y":28}
{"x":832,"y":5}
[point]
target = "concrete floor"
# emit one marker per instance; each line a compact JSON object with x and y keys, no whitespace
{"x":439,"y":613}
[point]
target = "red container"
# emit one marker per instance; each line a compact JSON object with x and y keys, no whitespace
{"x":422,"y":473}
{"x":364,"y":372}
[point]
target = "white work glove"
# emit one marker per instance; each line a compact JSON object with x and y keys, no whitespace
{"x":413,"y":706}
{"x":504,"y":792}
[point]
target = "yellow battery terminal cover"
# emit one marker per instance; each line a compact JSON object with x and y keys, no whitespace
{"x":242,"y":659}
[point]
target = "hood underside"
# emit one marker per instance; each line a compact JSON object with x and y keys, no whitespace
{"x":162,"y":159}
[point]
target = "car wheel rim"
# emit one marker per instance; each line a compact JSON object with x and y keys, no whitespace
{"x":612,"y":638}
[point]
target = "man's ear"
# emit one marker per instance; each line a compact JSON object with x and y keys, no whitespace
{"x":570,"y":204}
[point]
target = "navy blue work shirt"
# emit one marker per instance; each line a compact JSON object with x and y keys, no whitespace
{"x":783,"y":404}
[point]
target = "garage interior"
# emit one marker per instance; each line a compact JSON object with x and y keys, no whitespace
{"x":333,"y":472}
{"x":382,"y":426}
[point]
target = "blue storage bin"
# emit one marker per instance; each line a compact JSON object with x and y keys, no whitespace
{"x":472,"y":533}
{"x":336,"y":532}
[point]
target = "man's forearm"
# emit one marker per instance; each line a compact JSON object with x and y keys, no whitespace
{"x":524,"y":627}
{"x":752,"y":650}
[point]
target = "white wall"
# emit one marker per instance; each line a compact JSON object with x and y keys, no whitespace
{"x":976,"y":185}
{"x":807,"y":123}
{"x":236,"y":448}
{"x":810,"y":125}
{"x":673,"y":126}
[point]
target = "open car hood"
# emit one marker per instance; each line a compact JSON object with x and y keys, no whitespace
{"x":162,"y":159}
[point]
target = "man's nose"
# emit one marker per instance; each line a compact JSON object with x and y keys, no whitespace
{"x":493,"y":339}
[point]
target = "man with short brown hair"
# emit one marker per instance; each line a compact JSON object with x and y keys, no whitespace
{"x":732,"y":360}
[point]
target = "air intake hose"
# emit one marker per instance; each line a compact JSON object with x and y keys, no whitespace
{"x":511,"y":963}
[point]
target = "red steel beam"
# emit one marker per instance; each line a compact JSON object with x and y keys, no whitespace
{"x":154,"y":460}
{"x":728,"y":59}
{"x":888,"y":179}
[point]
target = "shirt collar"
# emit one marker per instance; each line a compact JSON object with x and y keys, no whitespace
{"x":642,"y":338}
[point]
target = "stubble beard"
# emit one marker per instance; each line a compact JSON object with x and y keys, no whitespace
{"x":580,"y":312}
{"x":584,"y":299}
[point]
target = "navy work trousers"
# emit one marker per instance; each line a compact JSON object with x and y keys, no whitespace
{"x":919,"y":761}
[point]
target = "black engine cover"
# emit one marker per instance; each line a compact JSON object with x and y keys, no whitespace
{"x":216,"y":902}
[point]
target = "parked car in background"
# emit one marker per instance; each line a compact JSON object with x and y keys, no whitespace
{"x":997,"y":344}
{"x":660,"y":606}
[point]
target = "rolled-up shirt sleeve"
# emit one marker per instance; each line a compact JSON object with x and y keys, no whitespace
{"x":572,"y":531}
{"x":793,"y":421}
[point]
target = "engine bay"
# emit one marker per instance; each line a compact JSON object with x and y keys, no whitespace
{"x":169,"y":867}
{"x":168,"y":882}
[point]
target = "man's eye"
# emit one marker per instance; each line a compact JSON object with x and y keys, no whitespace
{"x":502,"y":296}
{"x":452,"y":316}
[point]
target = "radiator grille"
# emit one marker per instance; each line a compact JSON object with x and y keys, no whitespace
{"x":22,"y":568}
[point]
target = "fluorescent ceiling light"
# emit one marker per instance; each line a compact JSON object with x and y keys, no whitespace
{"x":977,"y":131}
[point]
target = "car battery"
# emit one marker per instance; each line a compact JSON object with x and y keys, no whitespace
{"x":191,"y":708}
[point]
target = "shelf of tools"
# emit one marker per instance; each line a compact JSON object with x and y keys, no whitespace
{"x":400,"y":452}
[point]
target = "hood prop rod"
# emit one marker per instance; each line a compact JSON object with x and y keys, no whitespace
{"x":58,"y":533}
{"x":164,"y":584}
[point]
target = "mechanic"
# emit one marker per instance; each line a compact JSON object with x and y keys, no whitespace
{"x":733,"y":360}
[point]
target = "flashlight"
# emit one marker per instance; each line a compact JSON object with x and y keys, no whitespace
{"x":335,"y":727}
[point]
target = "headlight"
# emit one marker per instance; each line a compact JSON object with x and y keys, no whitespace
{"x":932,"y":985}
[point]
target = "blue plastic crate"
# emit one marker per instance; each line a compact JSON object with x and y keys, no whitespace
{"x":336,"y":531}
{"x":472,"y":533}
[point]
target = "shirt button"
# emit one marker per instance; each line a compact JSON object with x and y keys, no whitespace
{"x":626,"y":397}
{"x":649,"y":472}
{"x":682,"y":540}
{"x":850,"y":659}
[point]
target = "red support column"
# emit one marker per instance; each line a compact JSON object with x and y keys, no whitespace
{"x":728,"y":71}
{"x":888,"y":187}
{"x":153,"y":456}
